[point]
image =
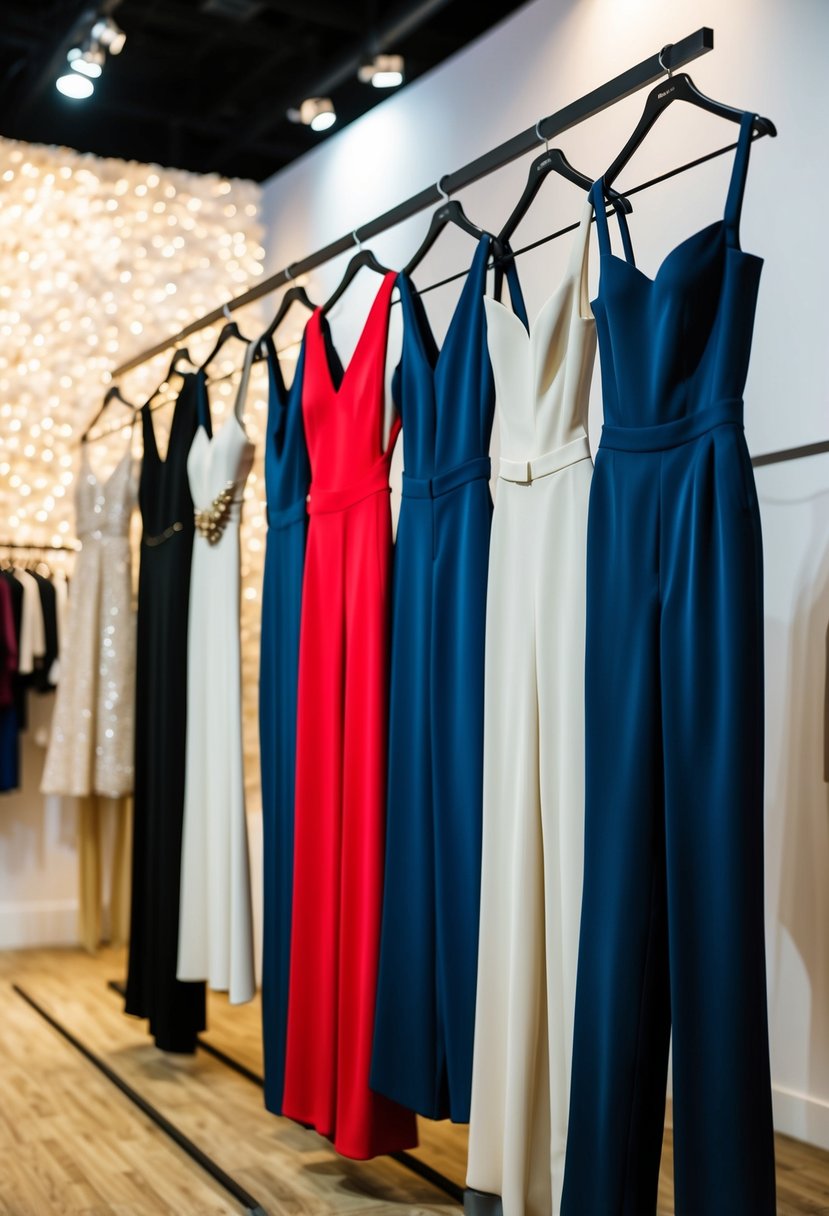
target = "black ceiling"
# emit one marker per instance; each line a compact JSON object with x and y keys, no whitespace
{"x":205,"y":84}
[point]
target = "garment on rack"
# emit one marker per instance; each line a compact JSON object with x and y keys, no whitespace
{"x":426,"y":986}
{"x":9,"y":766}
{"x":533,"y":811}
{"x":672,"y":934}
{"x":287,"y":476}
{"x":32,"y":645}
{"x":14,"y":723}
{"x":48,"y":607}
{"x":61,"y":585}
{"x":341,"y":747}
{"x":215,"y":936}
{"x":91,"y":743}
{"x":176,"y":1010}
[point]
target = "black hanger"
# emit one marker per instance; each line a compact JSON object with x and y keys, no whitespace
{"x":677,"y":88}
{"x":450,"y":212}
{"x":366,"y":258}
{"x":112,"y":394}
{"x":181,"y":354}
{"x":551,"y":161}
{"x":231,"y":330}
{"x":294,"y":295}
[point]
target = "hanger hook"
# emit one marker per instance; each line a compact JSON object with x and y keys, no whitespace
{"x":539,"y":136}
{"x":226,"y":312}
{"x":444,"y":194}
{"x":665,"y":67}
{"x":356,"y":239}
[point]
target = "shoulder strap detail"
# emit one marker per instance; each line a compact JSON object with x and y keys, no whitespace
{"x":737,"y":185}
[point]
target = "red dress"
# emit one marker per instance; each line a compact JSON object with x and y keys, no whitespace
{"x":341,"y":748}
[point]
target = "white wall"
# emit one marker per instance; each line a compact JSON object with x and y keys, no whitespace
{"x":768,"y":56}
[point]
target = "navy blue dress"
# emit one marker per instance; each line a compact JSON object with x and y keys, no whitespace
{"x":672,"y":917}
{"x":425,"y":1008}
{"x":287,"y":476}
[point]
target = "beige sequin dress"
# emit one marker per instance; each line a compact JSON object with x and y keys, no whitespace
{"x":91,"y":745}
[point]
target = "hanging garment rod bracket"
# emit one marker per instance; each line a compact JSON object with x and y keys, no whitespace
{"x":639,"y":77}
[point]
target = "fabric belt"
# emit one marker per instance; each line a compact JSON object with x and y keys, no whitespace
{"x":728,"y":412}
{"x":323,"y":501}
{"x":478,"y":469}
{"x":525,"y":472}
{"x":283,"y":517}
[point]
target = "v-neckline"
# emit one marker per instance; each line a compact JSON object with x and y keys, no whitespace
{"x":104,"y":485}
{"x":148,"y":409}
{"x":330,"y":349}
{"x":423,"y":330}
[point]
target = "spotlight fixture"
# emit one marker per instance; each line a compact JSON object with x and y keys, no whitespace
{"x":318,"y":113}
{"x":384,"y":71}
{"x":89,"y":61}
{"x":110,"y":35}
{"x":74,"y":85}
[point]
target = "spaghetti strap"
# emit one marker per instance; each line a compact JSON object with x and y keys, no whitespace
{"x":737,"y":186}
{"x":596,"y":197}
{"x":516,"y":295}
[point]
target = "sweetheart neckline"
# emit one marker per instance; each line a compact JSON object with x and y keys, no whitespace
{"x":717,"y":225}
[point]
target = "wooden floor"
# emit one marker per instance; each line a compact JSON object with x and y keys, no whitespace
{"x":71,"y":1143}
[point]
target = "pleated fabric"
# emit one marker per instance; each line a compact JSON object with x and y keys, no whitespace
{"x":342,"y":713}
{"x":672,"y":936}
{"x":287,"y":477}
{"x":428,"y":965}
{"x":176,"y":1010}
{"x":533,"y":808}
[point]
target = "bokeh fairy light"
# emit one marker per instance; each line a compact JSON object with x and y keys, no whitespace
{"x":100,"y":259}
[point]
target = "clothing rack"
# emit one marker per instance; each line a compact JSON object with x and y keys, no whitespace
{"x":668,"y":59}
{"x":16,"y":544}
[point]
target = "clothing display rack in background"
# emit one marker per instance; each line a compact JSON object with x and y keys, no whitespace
{"x":22,"y":545}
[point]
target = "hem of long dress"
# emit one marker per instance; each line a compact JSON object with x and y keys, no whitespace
{"x":433,"y":1110}
{"x":354,"y":1152}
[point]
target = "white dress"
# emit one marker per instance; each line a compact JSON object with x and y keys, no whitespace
{"x":91,"y":743}
{"x":533,"y":811}
{"x":215,"y":941}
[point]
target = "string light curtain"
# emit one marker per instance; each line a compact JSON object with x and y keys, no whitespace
{"x":100,"y":258}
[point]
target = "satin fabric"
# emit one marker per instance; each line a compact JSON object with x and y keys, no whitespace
{"x":341,"y":747}
{"x":428,"y":964}
{"x":672,"y":932}
{"x":287,"y":476}
{"x":533,"y":810}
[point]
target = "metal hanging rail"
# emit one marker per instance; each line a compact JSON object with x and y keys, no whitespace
{"x":19,"y":544}
{"x":643,"y":74}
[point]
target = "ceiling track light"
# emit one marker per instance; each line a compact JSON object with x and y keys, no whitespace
{"x":318,"y":113}
{"x":89,"y":60}
{"x":110,"y":35}
{"x":74,"y":85}
{"x":383,"y":72}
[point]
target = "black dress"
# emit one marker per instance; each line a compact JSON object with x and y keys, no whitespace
{"x":176,"y":1010}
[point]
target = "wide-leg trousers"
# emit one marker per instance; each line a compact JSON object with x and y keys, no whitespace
{"x":533,"y":828}
{"x":672,"y":935}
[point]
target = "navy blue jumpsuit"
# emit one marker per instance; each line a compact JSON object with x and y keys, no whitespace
{"x":286,"y":485}
{"x":672,"y":933}
{"x":425,"y":1010}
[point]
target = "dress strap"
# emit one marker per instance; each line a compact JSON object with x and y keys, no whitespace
{"x":244,"y":381}
{"x":577,"y":268}
{"x":736,"y":189}
{"x":506,"y":269}
{"x":597,"y":198}
{"x":203,"y":417}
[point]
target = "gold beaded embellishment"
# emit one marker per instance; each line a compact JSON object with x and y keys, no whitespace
{"x":212,"y":521}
